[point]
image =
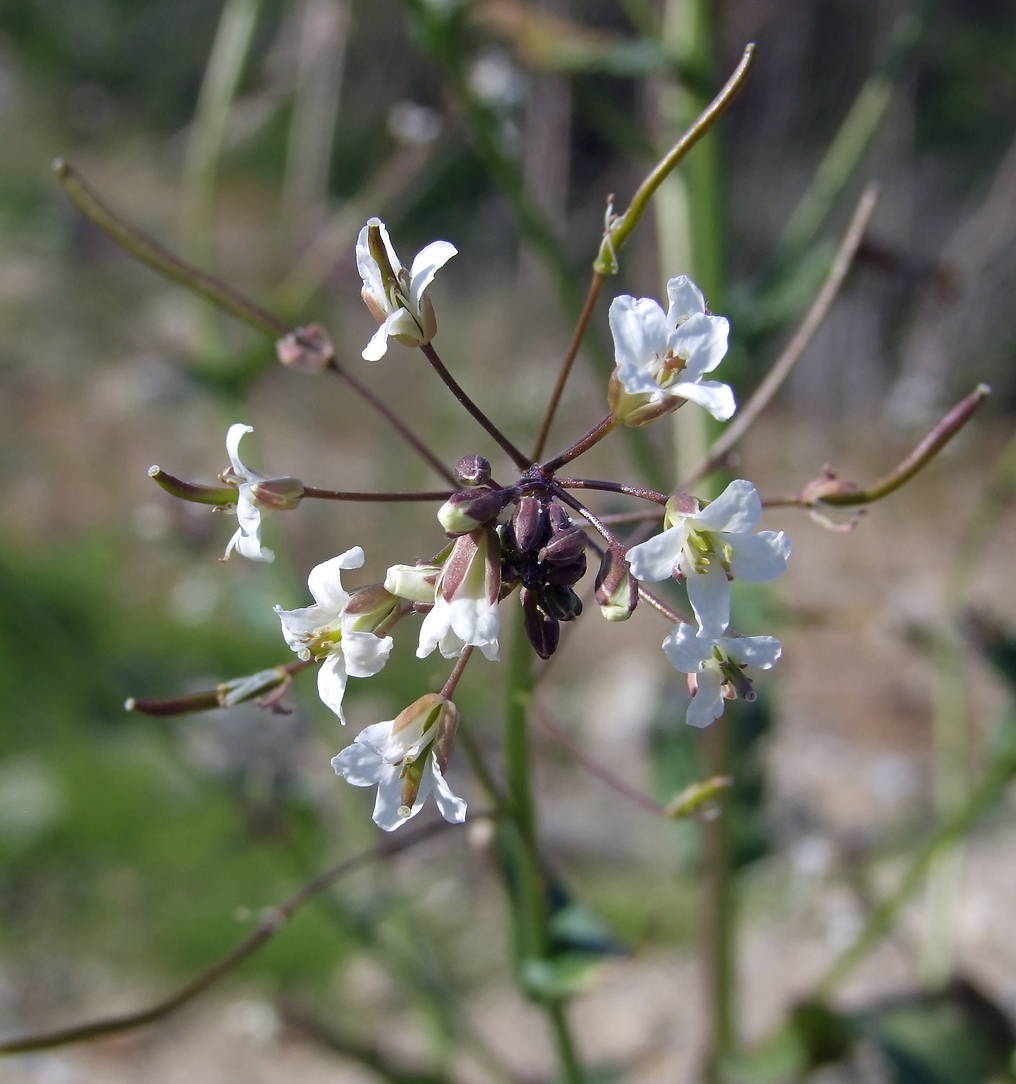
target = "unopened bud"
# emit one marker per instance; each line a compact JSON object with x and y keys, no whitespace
{"x":559,"y":518}
{"x":473,"y":470}
{"x":368,"y":607}
{"x":542,"y":630}
{"x":467,"y":509}
{"x":567,"y":574}
{"x":278,"y":494}
{"x":561,"y":602}
{"x":617,"y":590}
{"x":529,"y":523}
{"x":307,"y":349}
{"x":564,"y":546}
{"x":416,"y":583}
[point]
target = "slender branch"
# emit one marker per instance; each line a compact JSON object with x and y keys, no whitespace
{"x":661,"y":607}
{"x":522,"y":461}
{"x":618,"y":231}
{"x":393,"y":420}
{"x":583,"y":444}
{"x":792,"y":353}
{"x":276,"y":681}
{"x":272,"y":920}
{"x":595,"y":286}
{"x":448,"y":691}
{"x":615,"y":487}
{"x":345,"y":495}
{"x":146,"y":249}
{"x":586,"y":514}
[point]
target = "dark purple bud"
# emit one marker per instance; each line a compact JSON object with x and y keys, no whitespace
{"x":473,"y":470}
{"x":561,"y":603}
{"x":530,"y":523}
{"x":617,"y":590}
{"x":559,"y":518}
{"x":543,"y":631}
{"x":467,"y":509}
{"x":564,"y":546}
{"x":307,"y":349}
{"x":567,"y":574}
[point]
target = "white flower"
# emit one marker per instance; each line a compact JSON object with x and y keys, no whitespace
{"x":395,"y":296}
{"x":662,"y":358}
{"x":465,"y":600}
{"x":327,"y":631}
{"x":717,"y":662}
{"x":247,"y":539}
{"x":708,"y":547}
{"x":401,"y":758}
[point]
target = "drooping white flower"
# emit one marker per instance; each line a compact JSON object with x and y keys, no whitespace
{"x":247,"y":538}
{"x":709,"y":546}
{"x":465,"y":599}
{"x":717,"y":663}
{"x":662,"y":357}
{"x":405,"y":760}
{"x":394,"y":295}
{"x":331,"y":631}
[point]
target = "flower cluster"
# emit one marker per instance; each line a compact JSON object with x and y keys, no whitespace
{"x":531,"y":537}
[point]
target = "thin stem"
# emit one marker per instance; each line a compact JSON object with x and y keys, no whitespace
{"x":618,"y":231}
{"x":271,"y":922}
{"x":346,"y":495}
{"x":792,"y":353}
{"x":571,"y":1068}
{"x":661,"y":607}
{"x":520,"y":460}
{"x":448,"y":691}
{"x":393,"y":420}
{"x":595,"y":286}
{"x":583,"y":444}
{"x":614,"y":487}
{"x":146,"y":249}
{"x":590,"y":517}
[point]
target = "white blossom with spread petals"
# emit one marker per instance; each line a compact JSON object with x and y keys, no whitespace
{"x":388,"y":756}
{"x":326,"y":631}
{"x":247,"y":538}
{"x":398,"y":303}
{"x":662,"y":357}
{"x":710,"y":546}
{"x":717,"y":662}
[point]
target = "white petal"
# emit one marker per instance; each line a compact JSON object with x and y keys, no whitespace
{"x":709,"y":595}
{"x":331,"y":683}
{"x":233,"y":436}
{"x":707,"y":703}
{"x":365,"y":653}
{"x":737,"y":509}
{"x":432,"y":630}
{"x":359,"y":764}
{"x":657,"y":557}
{"x":639,"y":327}
{"x":702,"y":340}
{"x":759,"y":651}
{"x":299,"y":624}
{"x":476,"y":622}
{"x":686,"y":650}
{"x":378,"y":736}
{"x":425,"y":264}
{"x":389,"y":801}
{"x":368,"y":267}
{"x":759,"y":557}
{"x":450,"y":805}
{"x":325,"y":583}
{"x":378,"y":345}
{"x":711,"y":395}
{"x":685,"y":299}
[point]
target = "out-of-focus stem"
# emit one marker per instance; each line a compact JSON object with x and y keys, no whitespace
{"x":313,"y":493}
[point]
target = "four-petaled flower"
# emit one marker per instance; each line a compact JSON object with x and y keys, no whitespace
{"x":332,"y":631}
{"x":717,"y":663}
{"x":465,"y":599}
{"x":662,"y":357}
{"x":405,"y":760}
{"x":707,"y":546}
{"x":247,"y":538}
{"x":394,"y":295}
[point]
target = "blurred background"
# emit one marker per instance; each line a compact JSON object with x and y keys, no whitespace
{"x":256,"y":137}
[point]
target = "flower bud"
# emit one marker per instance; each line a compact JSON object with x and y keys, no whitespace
{"x":565,"y":574}
{"x":278,"y":494}
{"x":543,"y":631}
{"x":529,"y":523}
{"x":307,"y":349}
{"x":368,"y":607}
{"x":416,"y":583}
{"x":560,"y":602}
{"x":559,"y":518}
{"x":467,"y":509}
{"x":473,"y":470}
{"x":564,"y":546}
{"x":617,"y":590}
